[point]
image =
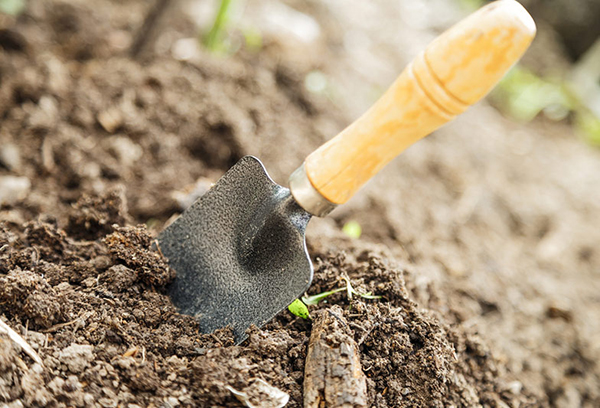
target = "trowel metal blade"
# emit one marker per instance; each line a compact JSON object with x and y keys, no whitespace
{"x":239,"y":251}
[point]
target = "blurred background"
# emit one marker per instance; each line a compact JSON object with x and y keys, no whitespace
{"x":558,"y":79}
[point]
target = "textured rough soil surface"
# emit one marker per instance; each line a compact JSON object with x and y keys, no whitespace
{"x":483,"y":252}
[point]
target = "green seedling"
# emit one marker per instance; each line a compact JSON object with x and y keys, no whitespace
{"x":315,"y":299}
{"x":215,"y":38}
{"x":300,"y":309}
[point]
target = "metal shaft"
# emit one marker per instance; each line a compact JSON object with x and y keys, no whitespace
{"x":307,"y":196}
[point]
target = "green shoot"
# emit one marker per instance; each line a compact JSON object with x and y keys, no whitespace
{"x":352,"y":229}
{"x":315,"y":299}
{"x":351,"y":291}
{"x":299,"y":309}
{"x":214,"y":39}
{"x":369,"y":295}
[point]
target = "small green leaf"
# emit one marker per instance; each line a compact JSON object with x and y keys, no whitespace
{"x":352,"y":229}
{"x":315,"y":299}
{"x":299,"y":309}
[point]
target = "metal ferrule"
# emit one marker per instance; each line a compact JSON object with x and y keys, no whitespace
{"x":307,"y":196}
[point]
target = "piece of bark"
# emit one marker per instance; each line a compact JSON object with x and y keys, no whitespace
{"x":333,"y":376}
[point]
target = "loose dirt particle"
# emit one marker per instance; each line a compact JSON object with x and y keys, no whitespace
{"x":76,"y":357}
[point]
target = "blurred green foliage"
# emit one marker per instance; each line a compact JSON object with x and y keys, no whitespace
{"x":216,"y":39}
{"x":219,"y":38}
{"x":352,"y":229}
{"x":12,"y":7}
{"x":523,"y":95}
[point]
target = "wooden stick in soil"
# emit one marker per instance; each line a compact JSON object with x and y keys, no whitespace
{"x":147,"y":31}
{"x":333,"y":376}
{"x":14,"y":336}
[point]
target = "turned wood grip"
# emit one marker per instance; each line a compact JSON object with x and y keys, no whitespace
{"x":456,"y":70}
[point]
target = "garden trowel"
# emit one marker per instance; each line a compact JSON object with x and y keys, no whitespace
{"x":239,"y":251}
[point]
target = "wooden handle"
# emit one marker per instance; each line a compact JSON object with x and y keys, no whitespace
{"x":456,"y":70}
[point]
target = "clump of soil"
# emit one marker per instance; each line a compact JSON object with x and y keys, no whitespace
{"x":97,"y":314}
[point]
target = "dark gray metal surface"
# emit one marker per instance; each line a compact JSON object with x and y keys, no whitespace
{"x":239,"y":251}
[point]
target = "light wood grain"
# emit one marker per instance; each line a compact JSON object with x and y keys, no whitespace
{"x":456,"y":70}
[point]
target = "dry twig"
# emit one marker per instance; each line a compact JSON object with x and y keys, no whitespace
{"x":14,"y":336}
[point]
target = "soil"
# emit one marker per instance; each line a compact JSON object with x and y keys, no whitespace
{"x":483,"y":252}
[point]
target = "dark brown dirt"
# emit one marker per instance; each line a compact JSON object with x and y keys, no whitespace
{"x":96,"y":314}
{"x":107,"y":142}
